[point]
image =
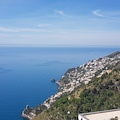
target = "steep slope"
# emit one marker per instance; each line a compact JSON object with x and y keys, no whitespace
{"x":72,"y":80}
{"x":86,"y":72}
{"x":101,"y":93}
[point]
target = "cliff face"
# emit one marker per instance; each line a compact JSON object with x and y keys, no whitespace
{"x":75,"y":78}
{"x":30,"y":113}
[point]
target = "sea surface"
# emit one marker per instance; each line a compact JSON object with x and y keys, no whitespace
{"x":26,"y":73}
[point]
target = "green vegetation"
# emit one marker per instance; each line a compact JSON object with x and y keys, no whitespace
{"x":38,"y":109}
{"x":100,"y":94}
{"x":114,"y":54}
{"x":116,"y":118}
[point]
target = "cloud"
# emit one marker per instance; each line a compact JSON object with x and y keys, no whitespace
{"x":3,"y":29}
{"x":114,"y":14}
{"x":44,"y":25}
{"x":30,"y":30}
{"x":59,"y":12}
{"x":96,"y":12}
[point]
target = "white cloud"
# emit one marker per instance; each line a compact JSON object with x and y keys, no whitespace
{"x":96,"y":12}
{"x":78,"y":37}
{"x":30,"y":30}
{"x":59,"y":12}
{"x":114,"y":14}
{"x":3,"y":29}
{"x":44,"y":25}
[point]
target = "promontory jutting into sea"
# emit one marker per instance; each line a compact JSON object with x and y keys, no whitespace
{"x":59,"y":59}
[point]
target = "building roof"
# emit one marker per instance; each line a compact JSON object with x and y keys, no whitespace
{"x":102,"y":115}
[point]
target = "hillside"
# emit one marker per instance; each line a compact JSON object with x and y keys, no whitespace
{"x":86,"y":72}
{"x":101,"y":93}
{"x":74,"y":79}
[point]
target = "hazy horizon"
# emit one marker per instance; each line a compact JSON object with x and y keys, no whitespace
{"x":60,"y":46}
{"x":60,"y":22}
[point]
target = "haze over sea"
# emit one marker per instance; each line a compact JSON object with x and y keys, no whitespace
{"x":26,"y":73}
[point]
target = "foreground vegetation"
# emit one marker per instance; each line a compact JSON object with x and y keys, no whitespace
{"x":100,"y":94}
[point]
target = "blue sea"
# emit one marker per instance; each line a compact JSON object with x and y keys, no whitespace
{"x":26,"y":73}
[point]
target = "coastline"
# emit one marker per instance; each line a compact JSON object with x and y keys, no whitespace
{"x":76,"y":76}
{"x":26,"y":116}
{"x":59,"y":84}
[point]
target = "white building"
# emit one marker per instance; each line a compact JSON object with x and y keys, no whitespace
{"x":100,"y":115}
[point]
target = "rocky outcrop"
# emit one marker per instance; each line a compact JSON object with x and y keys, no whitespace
{"x":59,"y":84}
{"x":30,"y":113}
{"x":27,"y":113}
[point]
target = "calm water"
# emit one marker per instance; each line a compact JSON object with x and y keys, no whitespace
{"x":25,"y":74}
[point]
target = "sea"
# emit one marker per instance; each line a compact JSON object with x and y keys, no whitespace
{"x":26,"y":73}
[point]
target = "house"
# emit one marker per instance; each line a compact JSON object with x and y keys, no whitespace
{"x":109,"y":71}
{"x":100,"y":115}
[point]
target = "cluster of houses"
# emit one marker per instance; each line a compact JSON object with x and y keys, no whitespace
{"x":52,"y":99}
{"x":83,"y":74}
{"x":76,"y":76}
{"x":86,"y":72}
{"x":113,"y":114}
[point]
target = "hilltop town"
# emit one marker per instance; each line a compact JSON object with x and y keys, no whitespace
{"x":74,"y":77}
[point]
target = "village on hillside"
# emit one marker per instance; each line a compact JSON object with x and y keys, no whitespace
{"x":75,"y":77}
{"x":84,"y":74}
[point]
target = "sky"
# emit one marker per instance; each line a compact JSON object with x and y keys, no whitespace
{"x":60,"y":22}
